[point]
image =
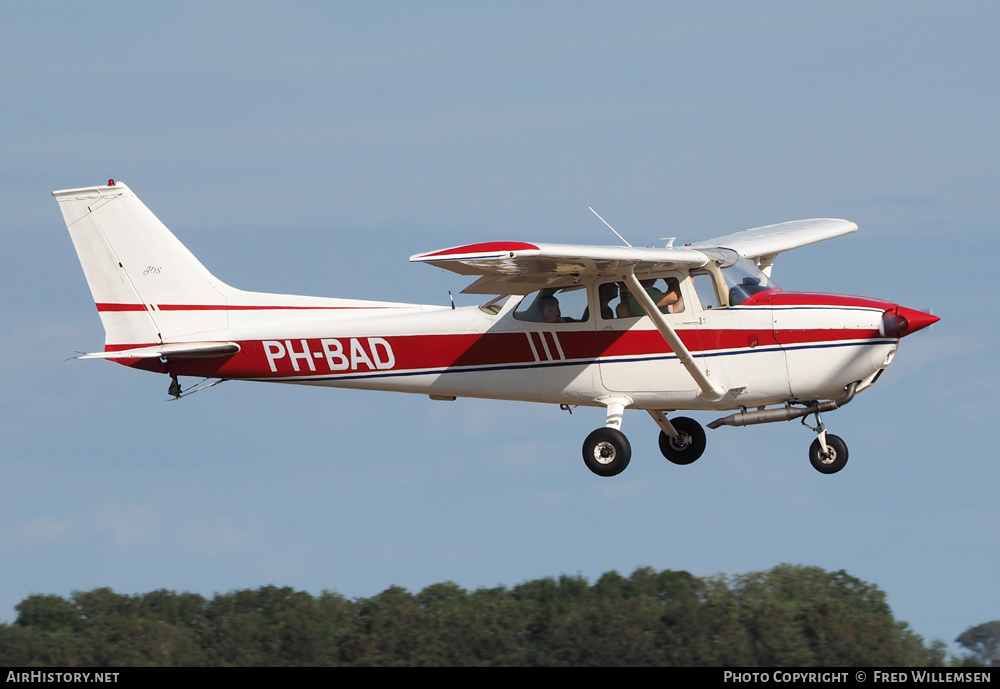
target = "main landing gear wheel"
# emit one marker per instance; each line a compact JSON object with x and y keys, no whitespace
{"x":689,"y":446}
{"x":833,"y":460}
{"x":607,"y":452}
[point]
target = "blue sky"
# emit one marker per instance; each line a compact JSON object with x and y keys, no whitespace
{"x":313,"y":147}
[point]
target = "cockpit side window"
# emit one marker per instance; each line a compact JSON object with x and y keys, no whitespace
{"x":617,"y":301}
{"x":704,"y":285}
{"x":554,"y":305}
{"x":609,"y":297}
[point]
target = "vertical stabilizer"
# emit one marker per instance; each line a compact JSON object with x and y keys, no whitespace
{"x":147,"y":286}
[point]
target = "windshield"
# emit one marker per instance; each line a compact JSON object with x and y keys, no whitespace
{"x":742,"y":276}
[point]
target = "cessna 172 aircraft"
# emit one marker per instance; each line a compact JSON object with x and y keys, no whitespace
{"x":698,"y":327}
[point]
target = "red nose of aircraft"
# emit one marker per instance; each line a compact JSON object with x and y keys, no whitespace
{"x":900,"y":321}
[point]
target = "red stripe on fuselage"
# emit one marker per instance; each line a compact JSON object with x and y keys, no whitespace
{"x":344,"y":356}
{"x":233,"y":307}
{"x":120,"y":307}
{"x":388,"y":354}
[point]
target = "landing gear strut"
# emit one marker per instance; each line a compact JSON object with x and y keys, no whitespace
{"x":682,"y":440}
{"x":607,"y":451}
{"x":828,"y":453}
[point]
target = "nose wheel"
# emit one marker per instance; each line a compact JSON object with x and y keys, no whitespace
{"x":829,"y":459}
{"x":828,"y":453}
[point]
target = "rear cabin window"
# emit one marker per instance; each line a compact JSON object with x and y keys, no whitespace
{"x":618,"y":302}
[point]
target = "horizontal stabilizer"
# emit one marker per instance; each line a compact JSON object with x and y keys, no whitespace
{"x":181,"y":350}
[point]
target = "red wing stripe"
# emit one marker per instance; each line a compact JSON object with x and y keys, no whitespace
{"x":482,"y":248}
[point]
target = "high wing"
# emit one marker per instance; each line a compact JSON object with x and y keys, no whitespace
{"x":520,"y":267}
{"x":763,"y":244}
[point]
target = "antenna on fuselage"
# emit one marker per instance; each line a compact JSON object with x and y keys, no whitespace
{"x":609,"y":227}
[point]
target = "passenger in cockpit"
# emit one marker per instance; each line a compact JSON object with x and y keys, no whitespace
{"x":605,"y":293}
{"x":668,"y":302}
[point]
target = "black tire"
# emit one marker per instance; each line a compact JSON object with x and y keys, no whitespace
{"x":683,"y":453}
{"x":607,"y":452}
{"x":835,"y":458}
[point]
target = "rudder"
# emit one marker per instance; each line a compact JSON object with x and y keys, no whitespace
{"x":147,"y":286}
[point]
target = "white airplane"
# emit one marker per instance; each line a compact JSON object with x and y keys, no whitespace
{"x":698,"y":327}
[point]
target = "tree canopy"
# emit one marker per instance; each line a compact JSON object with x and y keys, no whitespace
{"x":983,"y":641}
{"x":787,"y":616}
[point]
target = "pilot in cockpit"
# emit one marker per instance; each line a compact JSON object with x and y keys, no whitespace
{"x":549,"y":308}
{"x":672,"y":298}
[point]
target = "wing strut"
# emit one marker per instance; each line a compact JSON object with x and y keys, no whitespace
{"x":710,"y":392}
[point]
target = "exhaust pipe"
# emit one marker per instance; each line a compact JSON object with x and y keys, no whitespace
{"x":786,"y":413}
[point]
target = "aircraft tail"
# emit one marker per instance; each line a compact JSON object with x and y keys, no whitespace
{"x":148,"y":287}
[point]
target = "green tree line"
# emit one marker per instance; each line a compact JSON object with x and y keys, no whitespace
{"x":788,"y":616}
